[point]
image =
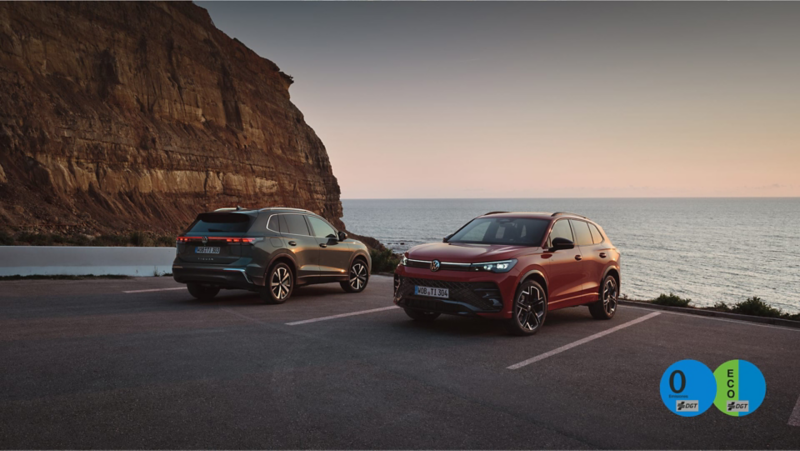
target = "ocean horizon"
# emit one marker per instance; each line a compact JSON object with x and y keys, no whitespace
{"x":709,"y":249}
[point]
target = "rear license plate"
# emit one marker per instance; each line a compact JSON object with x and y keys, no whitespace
{"x":206,"y":250}
{"x":431,"y":292}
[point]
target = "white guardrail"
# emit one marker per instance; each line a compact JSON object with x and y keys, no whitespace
{"x":81,"y":261}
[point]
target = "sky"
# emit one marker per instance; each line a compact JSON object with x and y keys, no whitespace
{"x":527,"y":100}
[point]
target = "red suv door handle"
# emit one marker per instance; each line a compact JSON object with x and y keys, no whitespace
{"x":602,"y":255}
{"x":578,"y":257}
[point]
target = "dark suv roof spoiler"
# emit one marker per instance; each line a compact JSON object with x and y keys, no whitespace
{"x":495,"y":213}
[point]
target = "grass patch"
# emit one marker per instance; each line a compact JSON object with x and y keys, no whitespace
{"x":384,"y":261}
{"x":754,"y":306}
{"x":165,"y":241}
{"x":111,"y":240}
{"x":135,"y":239}
{"x":6,"y":239}
{"x":62,"y":277}
{"x":672,"y":300}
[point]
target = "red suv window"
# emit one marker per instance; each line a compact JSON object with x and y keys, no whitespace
{"x":583,"y":237}
{"x":597,"y":237}
{"x":561,"y":229}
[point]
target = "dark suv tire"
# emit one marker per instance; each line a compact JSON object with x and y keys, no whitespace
{"x":530,"y":309}
{"x":358,"y":277}
{"x":279,"y":284}
{"x":202,"y":292}
{"x":606,"y":307}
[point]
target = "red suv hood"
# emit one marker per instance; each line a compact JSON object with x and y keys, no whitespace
{"x":464,"y":253}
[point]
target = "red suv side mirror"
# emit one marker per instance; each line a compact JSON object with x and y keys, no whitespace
{"x":561,"y":244}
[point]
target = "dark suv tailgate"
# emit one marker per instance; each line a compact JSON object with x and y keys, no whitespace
{"x":212,"y":238}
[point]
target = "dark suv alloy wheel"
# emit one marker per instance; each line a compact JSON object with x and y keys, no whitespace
{"x":279,"y":286}
{"x":530,"y":309}
{"x":607,"y":305}
{"x":358,"y":277}
{"x":202,"y":292}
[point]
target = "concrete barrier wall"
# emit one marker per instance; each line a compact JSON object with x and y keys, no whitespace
{"x":79,"y":260}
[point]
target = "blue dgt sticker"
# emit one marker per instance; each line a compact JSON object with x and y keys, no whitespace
{"x":688,"y":388}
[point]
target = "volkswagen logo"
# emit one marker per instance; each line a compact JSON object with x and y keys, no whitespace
{"x":435,"y":265}
{"x":205,"y":240}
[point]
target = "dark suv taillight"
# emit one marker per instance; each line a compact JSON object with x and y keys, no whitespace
{"x":230,"y":240}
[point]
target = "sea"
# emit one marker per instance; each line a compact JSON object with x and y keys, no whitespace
{"x":707,"y":249}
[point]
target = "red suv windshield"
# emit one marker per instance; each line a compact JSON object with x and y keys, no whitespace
{"x":518,"y":231}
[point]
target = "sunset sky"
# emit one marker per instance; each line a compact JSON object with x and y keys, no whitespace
{"x":444,"y":100}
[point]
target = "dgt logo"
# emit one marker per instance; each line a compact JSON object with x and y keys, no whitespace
{"x":738,"y":406}
{"x":687,"y":406}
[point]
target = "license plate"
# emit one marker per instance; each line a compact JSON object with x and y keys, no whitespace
{"x":432,"y":292}
{"x":206,"y":250}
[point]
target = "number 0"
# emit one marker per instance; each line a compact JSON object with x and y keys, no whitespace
{"x":672,"y":381}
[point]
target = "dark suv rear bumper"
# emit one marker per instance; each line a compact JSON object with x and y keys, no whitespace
{"x":466,"y":298}
{"x":223,"y":277}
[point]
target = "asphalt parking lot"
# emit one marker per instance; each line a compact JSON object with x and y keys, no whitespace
{"x":138,"y":363}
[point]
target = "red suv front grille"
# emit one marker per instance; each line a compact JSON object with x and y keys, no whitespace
{"x":481,"y":296}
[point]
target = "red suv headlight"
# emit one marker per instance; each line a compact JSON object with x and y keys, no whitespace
{"x":498,"y":266}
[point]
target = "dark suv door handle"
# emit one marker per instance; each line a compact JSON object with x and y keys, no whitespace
{"x":323,"y":245}
{"x":292,"y":243}
{"x":578,"y":257}
{"x":602,"y":255}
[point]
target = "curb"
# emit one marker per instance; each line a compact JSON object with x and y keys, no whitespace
{"x":703,"y":312}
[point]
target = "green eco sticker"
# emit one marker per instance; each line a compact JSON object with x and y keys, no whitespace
{"x":740,"y":388}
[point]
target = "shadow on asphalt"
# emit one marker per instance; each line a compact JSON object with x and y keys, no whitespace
{"x":445,"y":325}
{"x":243,"y":297}
{"x":472,"y":326}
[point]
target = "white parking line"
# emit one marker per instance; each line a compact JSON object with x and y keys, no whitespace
{"x":343,"y":315}
{"x":519,"y":365}
{"x":154,"y":289}
{"x":794,"y":420}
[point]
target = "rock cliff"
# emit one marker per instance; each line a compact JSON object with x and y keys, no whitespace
{"x":136,"y":116}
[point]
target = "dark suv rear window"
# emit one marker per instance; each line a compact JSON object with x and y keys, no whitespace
{"x":296,"y":224}
{"x":221,"y":222}
{"x":274,"y":223}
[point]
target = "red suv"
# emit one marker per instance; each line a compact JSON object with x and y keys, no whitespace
{"x":512,"y":266}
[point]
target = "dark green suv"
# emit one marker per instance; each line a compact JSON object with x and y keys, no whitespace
{"x":269,"y":251}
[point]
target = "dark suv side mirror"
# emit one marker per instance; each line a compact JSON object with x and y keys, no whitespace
{"x":342,"y":236}
{"x":445,"y":239}
{"x":561,"y":244}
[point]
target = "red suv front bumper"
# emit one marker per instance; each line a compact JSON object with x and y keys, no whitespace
{"x":485,"y":294}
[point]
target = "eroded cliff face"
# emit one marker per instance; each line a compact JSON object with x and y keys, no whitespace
{"x":136,"y":116}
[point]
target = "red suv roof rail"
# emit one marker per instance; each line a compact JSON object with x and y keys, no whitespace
{"x":559,"y":213}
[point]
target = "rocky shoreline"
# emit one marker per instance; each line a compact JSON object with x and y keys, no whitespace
{"x":128,"y":117}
